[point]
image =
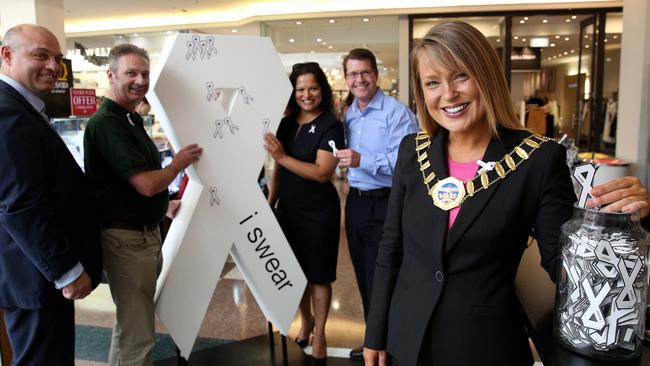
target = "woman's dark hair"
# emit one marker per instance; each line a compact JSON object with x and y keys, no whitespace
{"x":326,"y":104}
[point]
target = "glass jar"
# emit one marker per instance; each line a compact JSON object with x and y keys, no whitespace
{"x":602,"y":284}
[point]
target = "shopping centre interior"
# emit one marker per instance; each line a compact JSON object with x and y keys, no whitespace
{"x":575,"y":68}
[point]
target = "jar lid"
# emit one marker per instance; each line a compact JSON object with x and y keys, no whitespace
{"x":610,"y":161}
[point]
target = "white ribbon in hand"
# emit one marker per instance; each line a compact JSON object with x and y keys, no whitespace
{"x":333,"y":146}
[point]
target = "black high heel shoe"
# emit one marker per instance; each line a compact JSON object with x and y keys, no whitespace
{"x":302,"y":343}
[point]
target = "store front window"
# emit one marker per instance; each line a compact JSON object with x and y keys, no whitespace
{"x":562,"y":66}
{"x":612,"y":66}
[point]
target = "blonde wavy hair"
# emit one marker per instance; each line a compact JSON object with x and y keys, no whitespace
{"x":461,"y":47}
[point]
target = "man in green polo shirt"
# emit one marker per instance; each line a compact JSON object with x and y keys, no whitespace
{"x":124,"y":166}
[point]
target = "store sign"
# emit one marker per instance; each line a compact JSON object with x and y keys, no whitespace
{"x":224,"y":93}
{"x":57,"y":102}
{"x":525,"y":58}
{"x":83,"y":102}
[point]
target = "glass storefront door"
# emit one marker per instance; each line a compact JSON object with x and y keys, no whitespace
{"x":585,"y":79}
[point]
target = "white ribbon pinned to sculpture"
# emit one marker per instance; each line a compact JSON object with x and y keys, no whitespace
{"x":223,"y":209}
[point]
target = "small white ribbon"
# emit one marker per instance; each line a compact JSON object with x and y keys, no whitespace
{"x":584,"y":175}
{"x":213,"y":196}
{"x":247,"y":97}
{"x":485,"y":167}
{"x":128,"y":116}
{"x":212,"y":92}
{"x":333,"y":146}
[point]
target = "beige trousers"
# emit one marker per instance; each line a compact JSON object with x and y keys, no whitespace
{"x":132,"y":262}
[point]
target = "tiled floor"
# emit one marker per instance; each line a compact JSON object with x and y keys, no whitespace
{"x":234,"y":314}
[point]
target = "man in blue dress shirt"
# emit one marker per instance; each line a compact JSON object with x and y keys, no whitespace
{"x":375,"y":125}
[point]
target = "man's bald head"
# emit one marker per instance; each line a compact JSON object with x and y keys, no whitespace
{"x":31,"y":55}
{"x":14,"y":37}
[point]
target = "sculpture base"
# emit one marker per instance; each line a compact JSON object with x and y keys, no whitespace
{"x":254,"y":351}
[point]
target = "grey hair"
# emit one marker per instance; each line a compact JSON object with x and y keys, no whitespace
{"x":123,"y":50}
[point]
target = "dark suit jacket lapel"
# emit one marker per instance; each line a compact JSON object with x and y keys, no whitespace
{"x":37,"y":115}
{"x":437,"y":231}
{"x":14,"y":93}
{"x":473,"y":206}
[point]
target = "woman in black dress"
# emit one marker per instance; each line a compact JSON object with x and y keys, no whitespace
{"x":308,"y":206}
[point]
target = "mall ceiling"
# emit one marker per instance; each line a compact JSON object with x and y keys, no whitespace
{"x":324,"y":37}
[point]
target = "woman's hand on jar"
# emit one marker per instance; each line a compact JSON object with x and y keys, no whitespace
{"x":373,"y":357}
{"x":625,"y":194}
{"x":273,"y":146}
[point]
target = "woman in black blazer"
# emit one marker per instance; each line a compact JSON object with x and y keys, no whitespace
{"x":443,"y":291}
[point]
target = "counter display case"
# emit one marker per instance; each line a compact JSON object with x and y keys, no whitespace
{"x":72,"y":129}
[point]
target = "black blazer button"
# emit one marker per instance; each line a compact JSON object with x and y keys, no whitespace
{"x":439,"y":276}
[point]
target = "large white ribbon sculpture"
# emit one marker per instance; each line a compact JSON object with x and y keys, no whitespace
{"x":222,"y":92}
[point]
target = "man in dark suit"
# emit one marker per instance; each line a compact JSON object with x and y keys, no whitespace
{"x":50,"y":250}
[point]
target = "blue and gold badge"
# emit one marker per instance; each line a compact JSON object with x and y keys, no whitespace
{"x":448,"y":193}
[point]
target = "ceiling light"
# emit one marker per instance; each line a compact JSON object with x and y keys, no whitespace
{"x":586,"y":36}
{"x":615,"y":36}
{"x":385,"y":68}
{"x":522,"y":21}
{"x":554,"y":56}
{"x":135,"y":34}
{"x":566,"y":38}
{"x":332,"y":21}
{"x":525,"y":18}
{"x":586,"y":46}
{"x":552,"y":45}
{"x":549,"y":57}
{"x":330,"y":47}
{"x":523,"y":39}
{"x":312,"y":51}
{"x":545,"y":21}
{"x":568,"y":20}
{"x":169,"y":32}
{"x":572,"y":51}
{"x":573,"y":17}
{"x":498,"y":39}
{"x":608,"y":59}
{"x":298,"y":22}
{"x":319,"y":40}
{"x":234,"y":30}
{"x":566,"y":53}
{"x":539,"y":42}
{"x":557,"y":37}
{"x":366,"y":19}
{"x":605,"y":40}
{"x":516,"y":37}
{"x":291,"y":40}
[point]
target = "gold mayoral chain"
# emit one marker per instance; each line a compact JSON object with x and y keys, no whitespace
{"x":451,"y":192}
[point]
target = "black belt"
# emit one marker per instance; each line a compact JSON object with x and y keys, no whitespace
{"x":378,"y":193}
{"x":126,"y":225}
